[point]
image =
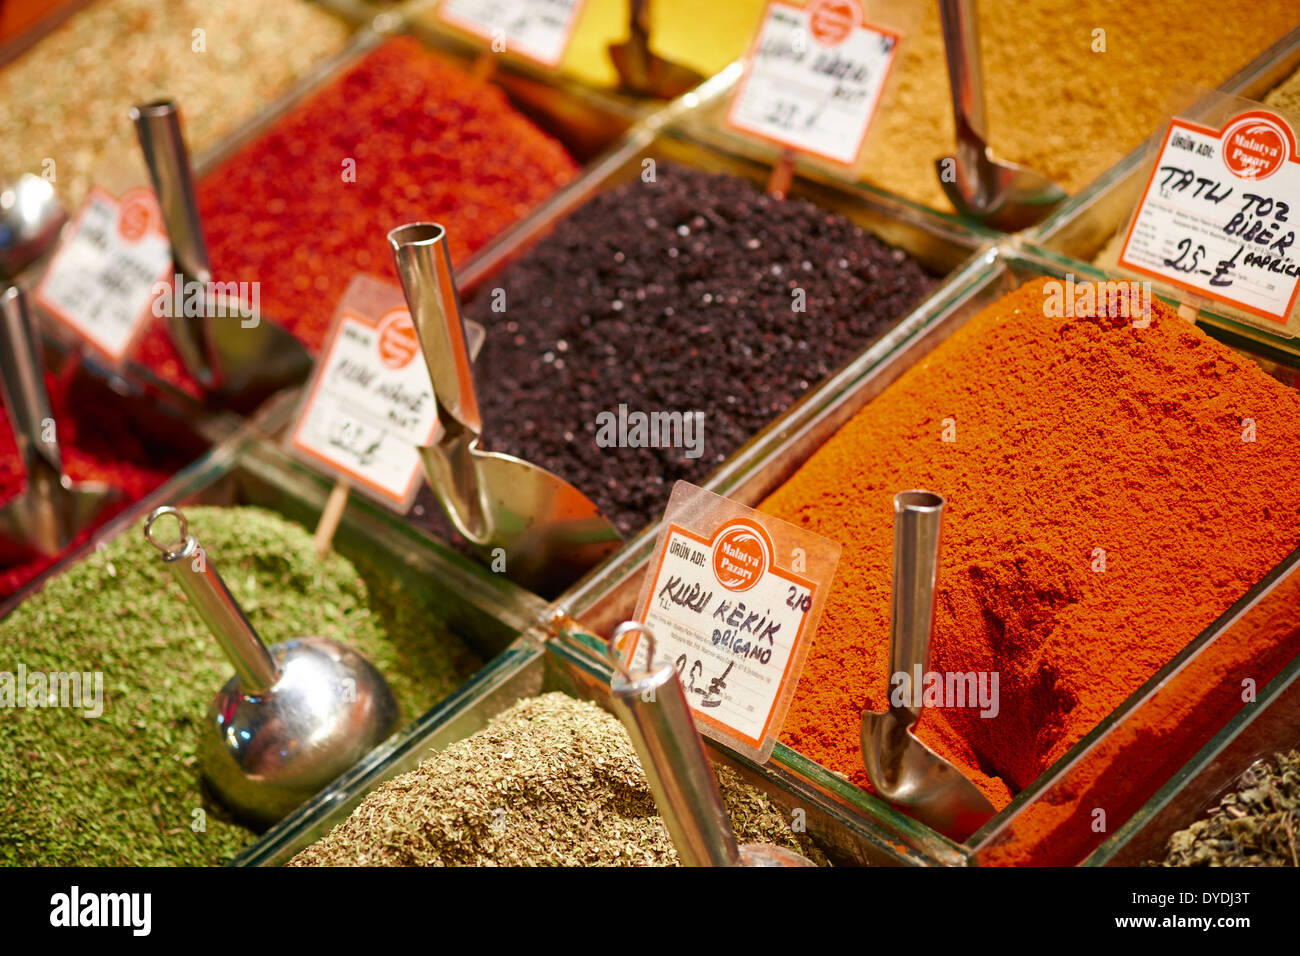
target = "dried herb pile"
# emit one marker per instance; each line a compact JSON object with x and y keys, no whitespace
{"x":122,"y":789}
{"x":1257,"y":825}
{"x":553,"y":781}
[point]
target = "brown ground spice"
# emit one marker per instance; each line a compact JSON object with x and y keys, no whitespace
{"x":553,"y":781}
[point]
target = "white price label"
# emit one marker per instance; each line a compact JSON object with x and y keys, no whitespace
{"x":537,"y":29}
{"x":102,"y":281}
{"x":370,"y":406}
{"x":733,"y":617}
{"x":814,"y":78}
{"x":1219,"y":213}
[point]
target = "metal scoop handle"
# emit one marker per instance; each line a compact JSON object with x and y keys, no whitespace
{"x":961,"y":45}
{"x":212,"y":601}
{"x":918,"y":518}
{"x":158,"y":126}
{"x":424,"y":266}
{"x":653,"y":707}
{"x":22,"y":380}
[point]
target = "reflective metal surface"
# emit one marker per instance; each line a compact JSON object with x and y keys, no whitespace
{"x":293,"y":717}
{"x":53,"y":509}
{"x":653,"y":707}
{"x":901,"y":768}
{"x":643,"y":72}
{"x":997,"y":193}
{"x":30,"y":219}
{"x":239,"y":360}
{"x":547,"y":531}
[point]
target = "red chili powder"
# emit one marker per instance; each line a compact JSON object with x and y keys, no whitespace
{"x":102,"y":437}
{"x":1074,"y":441}
{"x":400,"y":136}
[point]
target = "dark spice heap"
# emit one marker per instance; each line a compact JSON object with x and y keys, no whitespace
{"x":400,"y":136}
{"x":553,"y":781}
{"x":103,"y":437}
{"x":677,"y":295}
{"x":1258,"y":825}
{"x":122,"y":789}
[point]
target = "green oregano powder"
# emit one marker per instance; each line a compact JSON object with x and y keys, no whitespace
{"x":123,"y":788}
{"x":553,"y":781}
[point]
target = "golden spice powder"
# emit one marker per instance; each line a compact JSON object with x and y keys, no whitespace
{"x":1055,"y":104}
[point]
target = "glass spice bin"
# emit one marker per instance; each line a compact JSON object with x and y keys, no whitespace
{"x":1086,"y":222}
{"x":939,"y":243}
{"x":584,"y":121}
{"x":484,"y":610}
{"x":533,"y":666}
{"x":1268,"y":725}
{"x":1049,"y":817}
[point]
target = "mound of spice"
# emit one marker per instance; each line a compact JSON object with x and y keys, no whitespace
{"x":103,"y":437}
{"x":65,"y":101}
{"x":1072,"y":85}
{"x":399,"y":136}
{"x":695,"y":293}
{"x":1257,"y":825}
{"x":122,"y":788}
{"x":553,"y":781}
{"x":1111,"y":490}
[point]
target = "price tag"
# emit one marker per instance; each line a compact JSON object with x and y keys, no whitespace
{"x":538,"y":30}
{"x":1220,"y":212}
{"x":103,"y":279}
{"x":733,"y":598}
{"x":370,"y":406}
{"x":814,"y":78}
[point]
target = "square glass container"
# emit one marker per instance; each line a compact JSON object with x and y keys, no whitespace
{"x":1047,"y":822}
{"x":941,"y":245}
{"x":484,"y":610}
{"x":1086,"y":222}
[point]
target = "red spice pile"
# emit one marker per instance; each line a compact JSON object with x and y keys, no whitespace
{"x":428,"y":142}
{"x":101,"y":438}
{"x":1072,"y":434}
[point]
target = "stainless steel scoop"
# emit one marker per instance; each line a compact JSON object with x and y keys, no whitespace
{"x":238,"y":361}
{"x":1000,"y":194}
{"x":30,"y":219}
{"x":653,"y":707}
{"x":53,"y":509}
{"x":641,"y":70}
{"x":293,"y":717}
{"x":901,"y":768}
{"x":548,"y":532}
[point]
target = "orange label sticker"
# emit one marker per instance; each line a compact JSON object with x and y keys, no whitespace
{"x":112,"y":265}
{"x":814,"y":78}
{"x":1219,"y":212}
{"x":733,"y":599}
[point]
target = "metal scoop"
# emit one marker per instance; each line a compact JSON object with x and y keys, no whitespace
{"x":30,"y":219}
{"x":239,"y":361}
{"x":293,"y":717}
{"x":653,"y":707}
{"x":1000,"y":194}
{"x":548,"y":531}
{"x":640,"y":70}
{"x":53,"y":509}
{"x":901,"y":768}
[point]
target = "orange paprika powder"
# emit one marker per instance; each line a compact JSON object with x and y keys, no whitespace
{"x":1112,"y":489}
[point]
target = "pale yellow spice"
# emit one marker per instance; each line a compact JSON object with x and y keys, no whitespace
{"x":66,"y":99}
